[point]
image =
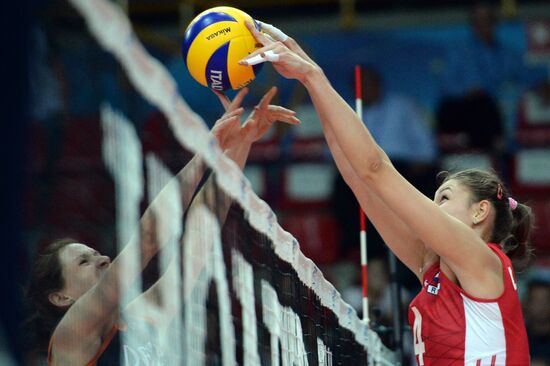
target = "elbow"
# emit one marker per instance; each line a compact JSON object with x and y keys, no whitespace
{"x":373,"y":165}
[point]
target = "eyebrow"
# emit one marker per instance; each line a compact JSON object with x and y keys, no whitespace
{"x":438,"y":193}
{"x":86,"y":254}
{"x":81,"y":256}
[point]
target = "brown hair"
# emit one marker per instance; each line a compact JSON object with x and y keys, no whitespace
{"x":46,"y":277}
{"x":512,"y":228}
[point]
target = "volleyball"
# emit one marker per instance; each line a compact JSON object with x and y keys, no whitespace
{"x":213,"y":44}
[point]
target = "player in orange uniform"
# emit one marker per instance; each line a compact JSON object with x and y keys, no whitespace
{"x":77,"y":291}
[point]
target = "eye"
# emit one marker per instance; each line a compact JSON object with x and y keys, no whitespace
{"x":443,"y":198}
{"x":83,"y":261}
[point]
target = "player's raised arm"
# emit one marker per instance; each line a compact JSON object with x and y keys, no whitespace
{"x":396,"y":234}
{"x":456,"y":240}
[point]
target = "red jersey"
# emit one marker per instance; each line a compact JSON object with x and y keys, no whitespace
{"x":451,"y":327}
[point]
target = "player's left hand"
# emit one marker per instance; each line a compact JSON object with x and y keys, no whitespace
{"x":226,"y":129}
{"x":258,"y":122}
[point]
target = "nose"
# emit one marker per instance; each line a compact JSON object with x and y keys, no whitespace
{"x":103,"y":262}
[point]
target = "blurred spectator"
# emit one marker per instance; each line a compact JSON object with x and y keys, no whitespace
{"x":352,"y":293}
{"x":399,"y":127}
{"x":47,"y":107}
{"x":539,"y":104}
{"x":476,"y":71}
{"x":537,"y":318}
{"x":535,"y":107}
{"x":45,"y":75}
{"x":396,"y":123}
{"x":46,"y":80}
{"x":380,"y":301}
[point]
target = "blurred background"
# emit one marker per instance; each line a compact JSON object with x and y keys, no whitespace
{"x":446,"y":84}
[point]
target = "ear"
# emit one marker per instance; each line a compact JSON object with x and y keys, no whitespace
{"x":481,"y":212}
{"x":59,"y":299}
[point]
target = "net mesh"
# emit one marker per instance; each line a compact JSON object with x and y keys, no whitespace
{"x":229,"y":286}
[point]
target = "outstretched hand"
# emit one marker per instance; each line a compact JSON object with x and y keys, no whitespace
{"x":226,"y":129}
{"x":278,"y":35}
{"x":230,"y":133}
{"x":285,"y":54}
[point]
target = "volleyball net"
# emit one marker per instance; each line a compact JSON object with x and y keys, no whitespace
{"x":232,"y":287}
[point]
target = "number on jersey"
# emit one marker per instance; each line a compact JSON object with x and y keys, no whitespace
{"x":419,"y":347}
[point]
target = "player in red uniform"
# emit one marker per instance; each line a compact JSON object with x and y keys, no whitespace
{"x":459,"y":245}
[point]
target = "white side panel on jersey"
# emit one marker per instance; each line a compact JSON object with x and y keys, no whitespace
{"x":485,"y":337}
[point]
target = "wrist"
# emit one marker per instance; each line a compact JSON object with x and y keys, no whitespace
{"x":239,"y":154}
{"x":313,"y":75}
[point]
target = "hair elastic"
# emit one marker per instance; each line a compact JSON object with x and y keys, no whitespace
{"x":499,"y":191}
{"x":513,"y":203}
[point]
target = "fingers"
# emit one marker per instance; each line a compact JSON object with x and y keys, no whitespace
{"x":269,"y":55}
{"x":282,"y":114}
{"x":266,"y":99}
{"x":236,"y":102}
{"x":273,"y":31}
{"x":266,"y":53}
{"x":260,"y":37}
{"x":226,"y":124}
{"x":275,"y":34}
{"x":263,"y":105}
{"x":229,"y":114}
{"x":232,"y":114}
{"x":291,"y":120}
{"x":223,"y":99}
{"x":295,"y":47}
{"x":229,"y":105}
{"x":281,"y":110}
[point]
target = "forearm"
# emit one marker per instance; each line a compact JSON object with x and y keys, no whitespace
{"x":189,"y":178}
{"x":356,"y":142}
{"x":342,"y":163}
{"x":216,"y":199}
{"x":158,"y":293}
{"x":396,"y":235}
{"x":186,"y":182}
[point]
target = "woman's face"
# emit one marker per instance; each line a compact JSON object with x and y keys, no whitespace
{"x":455,"y":199}
{"x":82,"y":268}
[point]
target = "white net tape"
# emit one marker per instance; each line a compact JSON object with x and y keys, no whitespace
{"x":113,"y":31}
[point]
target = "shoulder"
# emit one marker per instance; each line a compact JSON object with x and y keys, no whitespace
{"x":77,"y":351}
{"x":67,"y":346}
{"x":404,"y":104}
{"x":398,"y":102}
{"x":497,"y":249}
{"x":401,"y":100}
{"x":396,"y":98}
